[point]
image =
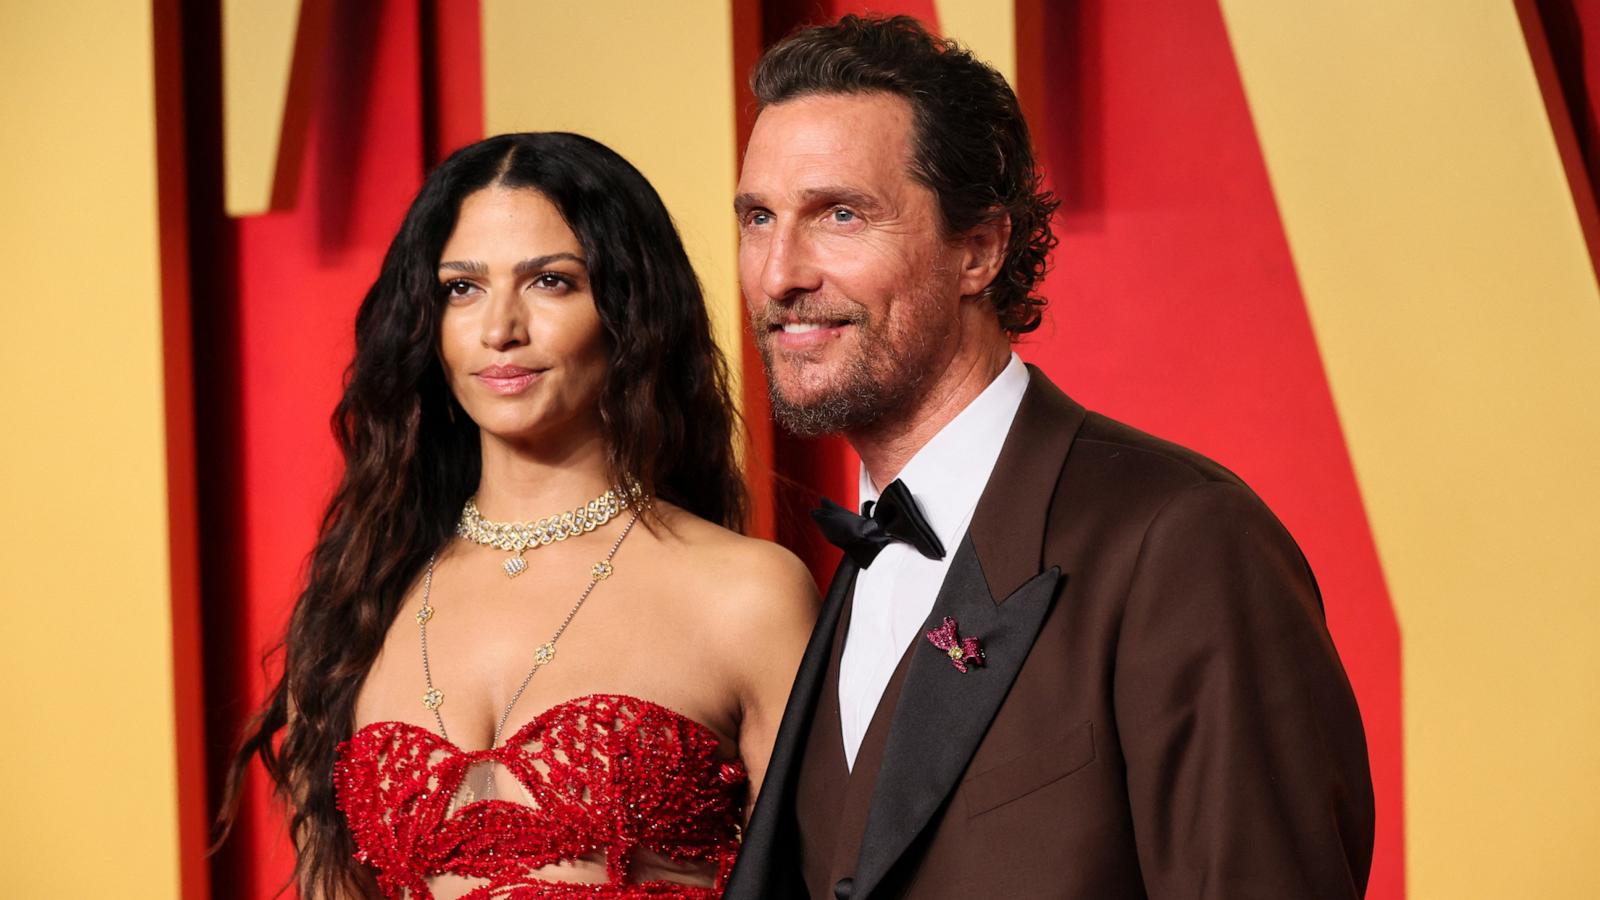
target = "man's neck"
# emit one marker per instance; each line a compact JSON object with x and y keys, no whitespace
{"x":889,"y":444}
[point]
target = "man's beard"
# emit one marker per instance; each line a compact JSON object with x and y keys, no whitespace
{"x":879,"y":379}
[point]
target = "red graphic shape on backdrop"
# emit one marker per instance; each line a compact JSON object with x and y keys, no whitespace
{"x":1175,"y":307}
{"x":395,"y":91}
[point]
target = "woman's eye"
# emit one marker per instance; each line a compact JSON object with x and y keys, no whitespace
{"x":550,"y":281}
{"x":458,"y":288}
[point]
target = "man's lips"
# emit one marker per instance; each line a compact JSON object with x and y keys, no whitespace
{"x":807,"y":334}
{"x":508,"y":380}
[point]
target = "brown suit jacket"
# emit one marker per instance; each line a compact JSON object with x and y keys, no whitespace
{"x":1161,"y":713}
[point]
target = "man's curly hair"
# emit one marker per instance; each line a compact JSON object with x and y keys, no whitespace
{"x":970,"y":142}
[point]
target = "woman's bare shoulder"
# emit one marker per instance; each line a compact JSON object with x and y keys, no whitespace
{"x":752,"y":604}
{"x":747,"y":579}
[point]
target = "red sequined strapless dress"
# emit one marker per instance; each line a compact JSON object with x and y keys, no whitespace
{"x":604,"y":775}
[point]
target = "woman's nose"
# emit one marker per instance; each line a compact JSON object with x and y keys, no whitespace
{"x":505,"y":323}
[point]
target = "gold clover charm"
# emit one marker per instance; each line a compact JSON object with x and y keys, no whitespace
{"x":601,"y":571}
{"x":432,"y":698}
{"x":545,"y":653}
{"x":424,"y":614}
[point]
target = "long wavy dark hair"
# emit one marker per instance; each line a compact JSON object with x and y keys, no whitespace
{"x":412,"y":455}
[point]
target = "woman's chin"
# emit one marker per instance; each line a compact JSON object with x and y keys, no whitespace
{"x":530,"y":435}
{"x":515,"y":434}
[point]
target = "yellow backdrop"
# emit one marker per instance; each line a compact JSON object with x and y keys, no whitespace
{"x":88,"y":762}
{"x":1456,"y":309}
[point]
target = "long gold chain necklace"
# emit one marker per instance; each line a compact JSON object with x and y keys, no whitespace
{"x":519,"y":537}
{"x":542,"y":655}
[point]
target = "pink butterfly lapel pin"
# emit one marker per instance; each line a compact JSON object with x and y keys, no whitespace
{"x":963,"y":652}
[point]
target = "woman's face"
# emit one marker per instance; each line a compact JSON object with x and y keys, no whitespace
{"x":520,"y":335}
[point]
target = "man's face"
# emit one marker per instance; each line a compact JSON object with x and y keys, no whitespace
{"x":851,"y":286}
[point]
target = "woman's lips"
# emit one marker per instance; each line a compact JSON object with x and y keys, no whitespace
{"x":508,"y":380}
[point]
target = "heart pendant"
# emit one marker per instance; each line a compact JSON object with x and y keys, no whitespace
{"x":515,"y":566}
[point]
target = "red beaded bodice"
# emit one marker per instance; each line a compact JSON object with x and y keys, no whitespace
{"x":604,"y":774}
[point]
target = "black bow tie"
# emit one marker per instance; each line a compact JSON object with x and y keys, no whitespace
{"x":895,"y":517}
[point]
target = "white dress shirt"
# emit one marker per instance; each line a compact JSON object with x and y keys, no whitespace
{"x":895,"y":594}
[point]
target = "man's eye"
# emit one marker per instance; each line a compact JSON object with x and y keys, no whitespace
{"x":842,"y":215}
{"x":760,"y":218}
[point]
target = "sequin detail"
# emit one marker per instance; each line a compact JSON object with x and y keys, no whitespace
{"x":607,"y":773}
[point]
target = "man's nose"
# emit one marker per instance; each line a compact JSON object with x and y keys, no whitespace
{"x":505,"y":322}
{"x":791,"y":265}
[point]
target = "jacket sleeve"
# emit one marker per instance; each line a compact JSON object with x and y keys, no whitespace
{"x":1247,"y":764}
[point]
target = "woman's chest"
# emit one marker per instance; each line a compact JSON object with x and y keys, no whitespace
{"x":494,"y":666}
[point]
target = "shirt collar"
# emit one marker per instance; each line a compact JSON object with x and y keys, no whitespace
{"x":941,"y":474}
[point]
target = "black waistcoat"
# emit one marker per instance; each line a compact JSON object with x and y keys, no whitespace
{"x":832,"y":799}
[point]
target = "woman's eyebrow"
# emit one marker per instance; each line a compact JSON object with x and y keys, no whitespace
{"x":470,"y":266}
{"x":539,"y":262}
{"x":474,"y":267}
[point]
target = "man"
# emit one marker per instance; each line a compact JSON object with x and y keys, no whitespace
{"x":1061,"y":658}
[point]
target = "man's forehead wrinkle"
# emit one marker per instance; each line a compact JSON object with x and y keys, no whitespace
{"x":831,"y":149}
{"x":824,"y":173}
{"x":835,"y":131}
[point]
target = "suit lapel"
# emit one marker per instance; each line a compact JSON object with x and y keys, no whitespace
{"x":761,"y":849}
{"x":1008,"y":526}
{"x":942,"y":714}
{"x":995,"y":591}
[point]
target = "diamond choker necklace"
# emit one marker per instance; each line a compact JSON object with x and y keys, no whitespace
{"x":519,"y":537}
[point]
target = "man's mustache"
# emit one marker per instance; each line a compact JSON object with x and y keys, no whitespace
{"x":774,"y":314}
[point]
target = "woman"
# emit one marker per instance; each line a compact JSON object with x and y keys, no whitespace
{"x":532,"y":659}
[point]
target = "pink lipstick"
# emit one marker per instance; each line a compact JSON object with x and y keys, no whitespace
{"x":508,"y":380}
